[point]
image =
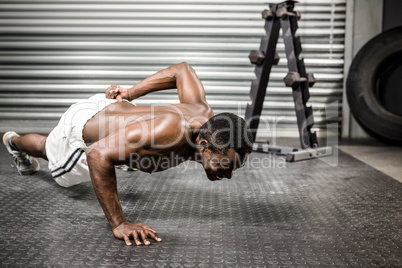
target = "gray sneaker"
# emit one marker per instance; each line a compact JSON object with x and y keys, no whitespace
{"x":25,"y":164}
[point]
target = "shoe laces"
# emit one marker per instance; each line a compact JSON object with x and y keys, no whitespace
{"x":21,"y":158}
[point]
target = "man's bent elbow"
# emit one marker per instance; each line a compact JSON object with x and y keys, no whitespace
{"x":183,"y":67}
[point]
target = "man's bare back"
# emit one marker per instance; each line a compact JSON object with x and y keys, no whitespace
{"x":152,"y":131}
{"x":181,"y":121}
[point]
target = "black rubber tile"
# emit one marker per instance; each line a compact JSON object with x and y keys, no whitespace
{"x":305,"y":214}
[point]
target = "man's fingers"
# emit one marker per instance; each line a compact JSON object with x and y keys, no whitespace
{"x":119,"y":98}
{"x":108,"y":95}
{"x":149,"y":228}
{"x":136,"y":238}
{"x":154,"y":236}
{"x":127,"y":240}
{"x":144,"y":237}
{"x":112,"y":91}
{"x":140,"y":232}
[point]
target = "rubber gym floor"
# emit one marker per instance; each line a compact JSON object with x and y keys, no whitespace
{"x":270,"y":214}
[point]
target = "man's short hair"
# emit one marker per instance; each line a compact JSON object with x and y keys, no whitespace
{"x":227,"y":130}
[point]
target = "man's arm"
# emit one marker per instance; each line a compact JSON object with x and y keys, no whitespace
{"x":101,"y":157}
{"x":181,"y":76}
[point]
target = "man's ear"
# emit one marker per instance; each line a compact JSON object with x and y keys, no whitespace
{"x":204,"y":146}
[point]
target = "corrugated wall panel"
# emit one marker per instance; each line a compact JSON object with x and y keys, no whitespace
{"x":54,"y":53}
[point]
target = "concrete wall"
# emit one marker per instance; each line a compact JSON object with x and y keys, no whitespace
{"x":364,"y":20}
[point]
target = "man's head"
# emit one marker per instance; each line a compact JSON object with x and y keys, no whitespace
{"x":225,"y":141}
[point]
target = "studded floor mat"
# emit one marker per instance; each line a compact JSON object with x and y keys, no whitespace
{"x":270,"y":214}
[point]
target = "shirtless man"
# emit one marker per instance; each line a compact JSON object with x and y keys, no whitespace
{"x":95,"y":135}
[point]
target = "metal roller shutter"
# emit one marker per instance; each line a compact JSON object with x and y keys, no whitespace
{"x":54,"y":53}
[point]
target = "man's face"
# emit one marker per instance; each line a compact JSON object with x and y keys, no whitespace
{"x":218,"y":165}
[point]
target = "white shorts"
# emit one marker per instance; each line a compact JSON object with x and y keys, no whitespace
{"x":65,"y":146}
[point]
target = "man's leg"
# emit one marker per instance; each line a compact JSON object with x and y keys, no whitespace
{"x":32,"y":144}
{"x":24,"y":149}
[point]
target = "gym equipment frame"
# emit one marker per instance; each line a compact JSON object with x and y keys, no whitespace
{"x":283,"y":16}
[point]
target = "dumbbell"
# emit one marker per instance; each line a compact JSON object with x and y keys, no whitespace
{"x":311,"y":80}
{"x":293,"y":80}
{"x":267,"y":14}
{"x":258,"y":57}
{"x":283,"y":13}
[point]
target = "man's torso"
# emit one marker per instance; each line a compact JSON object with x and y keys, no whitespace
{"x":158,"y":156}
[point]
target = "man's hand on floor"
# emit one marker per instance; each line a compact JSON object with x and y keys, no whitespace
{"x":138,"y":231}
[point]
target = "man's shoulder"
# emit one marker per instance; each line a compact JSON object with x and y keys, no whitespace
{"x":198,"y":109}
{"x":168,"y":131}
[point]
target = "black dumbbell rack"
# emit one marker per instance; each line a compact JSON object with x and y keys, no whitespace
{"x":276,"y":17}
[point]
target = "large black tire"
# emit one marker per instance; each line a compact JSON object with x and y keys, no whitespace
{"x":380,"y":56}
